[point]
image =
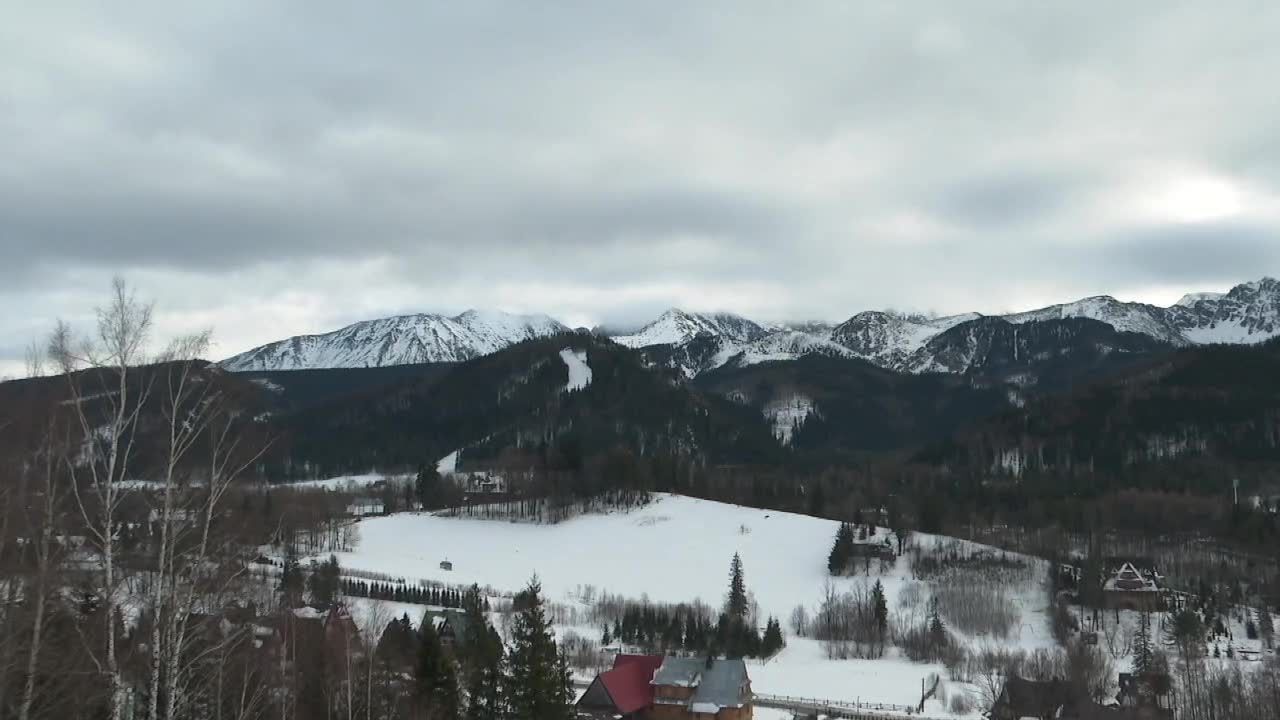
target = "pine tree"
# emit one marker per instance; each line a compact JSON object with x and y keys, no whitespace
{"x":482,"y":655}
{"x":435,"y":680}
{"x":772,"y":642}
{"x":1142,"y":646}
{"x":535,"y":685}
{"x":605,"y":638}
{"x":841,"y":550}
{"x":426,"y":486}
{"x":291,"y":578}
{"x":937,"y":631}
{"x":736,"y":603}
{"x":881,"y":609}
{"x":1266,"y":626}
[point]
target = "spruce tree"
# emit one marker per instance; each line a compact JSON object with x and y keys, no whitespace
{"x":482,"y":656}
{"x":535,"y":686}
{"x":772,"y":642}
{"x":1142,"y":646}
{"x":291,"y":578}
{"x":1266,"y":626}
{"x":426,"y":486}
{"x":736,"y":603}
{"x":841,"y":550}
{"x":881,"y":609}
{"x":937,"y":631}
{"x":435,"y":680}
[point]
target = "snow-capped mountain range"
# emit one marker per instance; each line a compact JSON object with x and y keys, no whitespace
{"x":694,"y":343}
{"x":400,"y":340}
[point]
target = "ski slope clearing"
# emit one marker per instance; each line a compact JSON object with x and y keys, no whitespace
{"x":579,"y":370}
{"x":677,"y":549}
{"x":348,"y":482}
{"x":448,"y":464}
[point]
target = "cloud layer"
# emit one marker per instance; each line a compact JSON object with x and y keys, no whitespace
{"x":277,"y":168}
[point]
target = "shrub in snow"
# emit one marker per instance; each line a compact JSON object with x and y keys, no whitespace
{"x":961,"y":703}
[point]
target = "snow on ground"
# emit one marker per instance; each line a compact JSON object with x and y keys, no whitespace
{"x":802,"y":669}
{"x":678,"y":549}
{"x":579,"y":370}
{"x":448,"y":464}
{"x":1232,"y":332}
{"x":370,"y":614}
{"x":348,"y":482}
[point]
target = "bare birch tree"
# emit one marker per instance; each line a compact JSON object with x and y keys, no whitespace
{"x":97,"y":373}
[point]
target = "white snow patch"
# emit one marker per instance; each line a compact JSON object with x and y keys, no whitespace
{"x":1231,"y":332}
{"x":1190,"y":299}
{"x":348,"y":482}
{"x":579,"y":370}
{"x":448,"y":464}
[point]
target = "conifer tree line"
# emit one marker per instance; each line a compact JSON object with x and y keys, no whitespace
{"x":475,"y":676}
{"x":692,"y":629}
{"x":437,"y":596}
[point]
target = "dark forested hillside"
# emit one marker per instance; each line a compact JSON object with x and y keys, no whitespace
{"x":300,"y":389}
{"x":856,"y":406}
{"x":1219,"y":404}
{"x":516,"y":398}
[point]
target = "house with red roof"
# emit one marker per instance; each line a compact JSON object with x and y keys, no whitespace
{"x":670,"y":688}
{"x":625,"y":691}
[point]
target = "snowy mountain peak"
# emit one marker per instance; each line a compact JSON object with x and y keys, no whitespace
{"x":1248,"y":313}
{"x":399,"y":340}
{"x":1191,"y":299}
{"x":676,"y":327}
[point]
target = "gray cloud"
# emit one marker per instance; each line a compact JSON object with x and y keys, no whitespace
{"x":280,"y":168}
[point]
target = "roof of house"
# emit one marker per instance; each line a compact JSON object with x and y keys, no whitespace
{"x":457,"y":621}
{"x":1129,"y":579}
{"x":628,"y":682}
{"x":1035,"y":698}
{"x":722,"y":683}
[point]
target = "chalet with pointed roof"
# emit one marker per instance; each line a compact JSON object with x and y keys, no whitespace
{"x":1130,"y":589}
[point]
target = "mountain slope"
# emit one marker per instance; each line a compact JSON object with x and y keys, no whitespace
{"x":401,"y":340}
{"x":693,"y":343}
{"x":887,"y":338}
{"x":1149,"y":320}
{"x":1218,"y":404}
{"x":516,"y":399}
{"x":675,"y":327}
{"x":1032,"y":352}
{"x":1248,"y":314}
{"x":827,"y":407}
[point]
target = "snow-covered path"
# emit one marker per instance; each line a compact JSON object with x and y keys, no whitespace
{"x":579,"y":370}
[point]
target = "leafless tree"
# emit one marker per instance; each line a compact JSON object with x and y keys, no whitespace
{"x":45,"y":501}
{"x":800,"y":621}
{"x":103,"y":364}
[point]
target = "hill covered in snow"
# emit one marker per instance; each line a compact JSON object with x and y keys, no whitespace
{"x":401,"y":340}
{"x":677,"y":550}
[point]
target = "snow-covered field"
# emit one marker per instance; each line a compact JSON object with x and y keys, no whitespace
{"x":678,"y":549}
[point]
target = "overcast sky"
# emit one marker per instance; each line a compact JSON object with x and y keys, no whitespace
{"x":273,"y":168}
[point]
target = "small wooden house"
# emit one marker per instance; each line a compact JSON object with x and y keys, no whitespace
{"x":1130,"y":589}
